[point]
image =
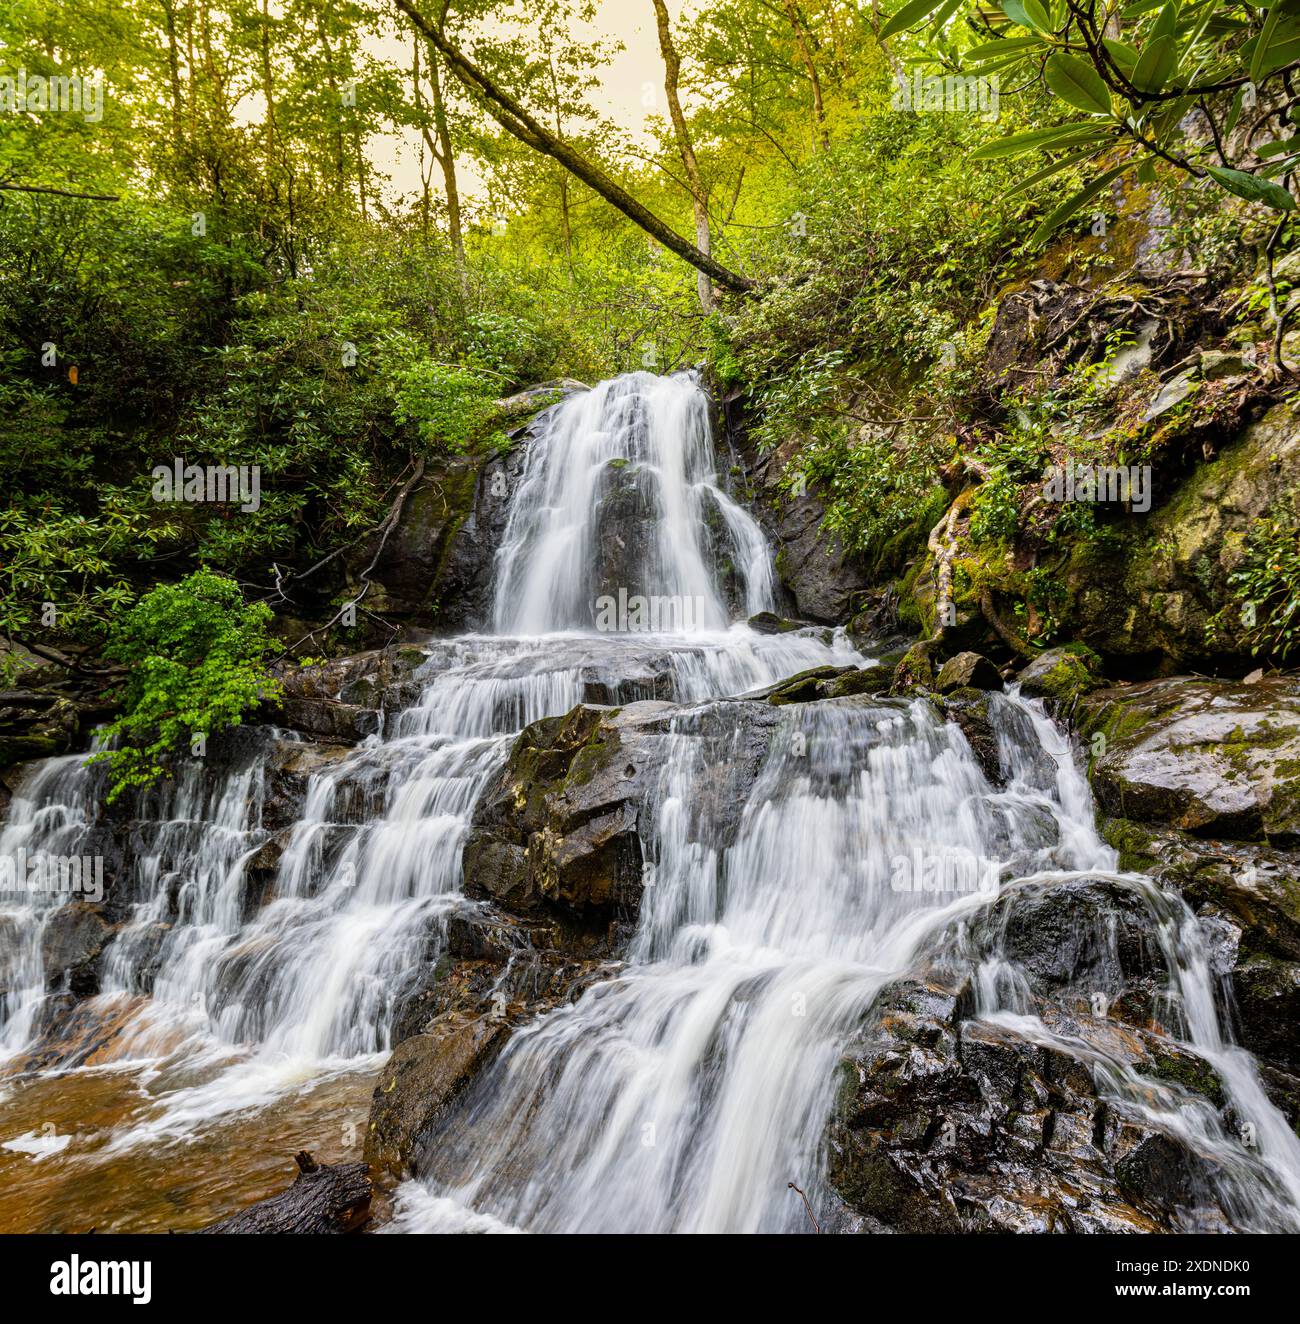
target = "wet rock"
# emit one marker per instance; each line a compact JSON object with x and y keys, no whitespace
{"x":969,"y":710}
{"x":803,"y":687}
{"x":916,"y":668}
{"x":1093,"y":935}
{"x":1061,"y":675}
{"x":419,"y":1081}
{"x":71,"y":943}
{"x":377,"y":678}
{"x":289,"y":769}
{"x":968,"y":671}
{"x":558,"y":825}
{"x":328,"y":719}
{"x":1266,"y":994}
{"x":1213,"y":758}
{"x":559,"y":829}
{"x":947,"y":1124}
{"x":768,"y":622}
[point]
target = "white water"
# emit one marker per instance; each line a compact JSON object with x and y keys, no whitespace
{"x":686,"y":1093}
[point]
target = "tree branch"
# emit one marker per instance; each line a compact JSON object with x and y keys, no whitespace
{"x":516,"y":120}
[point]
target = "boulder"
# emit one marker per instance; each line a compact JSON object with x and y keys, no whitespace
{"x":1250,"y":894}
{"x":1061,"y":675}
{"x":558,"y":831}
{"x":968,"y":671}
{"x":1149,"y":594}
{"x":947,"y":1124}
{"x":71,"y":943}
{"x":419,"y":1081}
{"x":1213,"y":758}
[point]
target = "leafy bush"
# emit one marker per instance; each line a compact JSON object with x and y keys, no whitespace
{"x":1268,"y":580}
{"x":195,"y":653}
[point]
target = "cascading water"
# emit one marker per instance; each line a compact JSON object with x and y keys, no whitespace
{"x":687,"y":1091}
{"x":685,"y":1094}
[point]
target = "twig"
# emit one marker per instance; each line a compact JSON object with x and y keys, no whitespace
{"x":807,"y":1206}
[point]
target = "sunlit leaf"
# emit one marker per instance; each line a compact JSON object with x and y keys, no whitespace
{"x":1155,"y":65}
{"x":1030,"y":140}
{"x":909,"y":16}
{"x":1077,"y":83}
{"x":1076,"y":203}
{"x":1252,"y":188}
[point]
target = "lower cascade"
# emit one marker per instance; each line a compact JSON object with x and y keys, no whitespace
{"x":795,"y":880}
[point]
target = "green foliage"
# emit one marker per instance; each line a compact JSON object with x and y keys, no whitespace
{"x":995,"y":510}
{"x":195,"y":656}
{"x":1268,"y":581}
{"x":1134,"y":75}
{"x":453,"y":408}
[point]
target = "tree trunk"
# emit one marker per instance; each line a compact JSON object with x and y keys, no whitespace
{"x":446,"y":158}
{"x":517,"y":121}
{"x":685,"y":148}
{"x":803,"y":39}
{"x":173,"y":71}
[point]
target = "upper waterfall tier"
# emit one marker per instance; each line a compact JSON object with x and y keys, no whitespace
{"x":619,"y":501}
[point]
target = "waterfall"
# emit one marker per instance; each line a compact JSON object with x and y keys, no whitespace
{"x":618,"y":491}
{"x":688,"y":1090}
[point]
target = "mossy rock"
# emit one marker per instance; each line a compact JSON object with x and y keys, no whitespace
{"x":1062,"y":675}
{"x":916,"y":670}
{"x":1214,"y":758}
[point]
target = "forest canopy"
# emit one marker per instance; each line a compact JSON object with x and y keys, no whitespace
{"x":328,"y":238}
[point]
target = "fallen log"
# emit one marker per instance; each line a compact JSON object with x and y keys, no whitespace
{"x":323,"y":1198}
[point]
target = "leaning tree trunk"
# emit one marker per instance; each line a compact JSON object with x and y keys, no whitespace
{"x":685,"y":147}
{"x":521,"y":124}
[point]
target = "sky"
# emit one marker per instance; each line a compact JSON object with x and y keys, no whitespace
{"x":631,"y":88}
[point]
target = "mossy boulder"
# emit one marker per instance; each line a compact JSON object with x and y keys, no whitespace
{"x":1149,"y":589}
{"x":916,"y":668}
{"x":1061,"y":675}
{"x":967,"y":671}
{"x":1214,"y":758}
{"x":558,"y":830}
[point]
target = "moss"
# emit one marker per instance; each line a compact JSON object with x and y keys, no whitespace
{"x":1190,"y":1073}
{"x":916,"y":670}
{"x":1063,"y":675}
{"x":18,"y":749}
{"x":1138,"y":848}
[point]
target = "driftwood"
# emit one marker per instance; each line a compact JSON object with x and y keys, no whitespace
{"x":322,"y":1198}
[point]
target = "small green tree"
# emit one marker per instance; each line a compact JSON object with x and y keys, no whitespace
{"x":196,"y":654}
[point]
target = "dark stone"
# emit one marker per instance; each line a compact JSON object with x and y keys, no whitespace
{"x":71,"y":943}
{"x":421,"y":1078}
{"x":968,"y":671}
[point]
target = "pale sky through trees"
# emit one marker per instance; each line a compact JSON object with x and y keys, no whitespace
{"x":633,"y":76}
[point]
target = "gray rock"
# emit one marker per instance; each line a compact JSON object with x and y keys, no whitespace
{"x":71,"y":943}
{"x":1211,"y":757}
{"x":420,"y":1079}
{"x":968,"y":671}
